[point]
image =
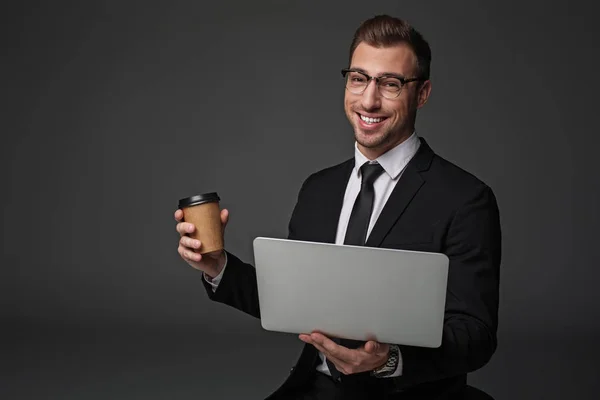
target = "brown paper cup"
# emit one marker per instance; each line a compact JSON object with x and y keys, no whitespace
{"x":204,"y":212}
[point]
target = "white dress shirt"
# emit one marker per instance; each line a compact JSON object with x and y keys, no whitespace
{"x":393,"y":162}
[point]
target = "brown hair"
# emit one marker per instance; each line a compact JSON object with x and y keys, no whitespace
{"x":385,"y":31}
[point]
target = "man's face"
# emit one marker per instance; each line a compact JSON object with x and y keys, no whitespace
{"x":397,"y":115}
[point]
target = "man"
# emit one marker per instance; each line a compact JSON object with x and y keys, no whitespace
{"x":418,"y":201}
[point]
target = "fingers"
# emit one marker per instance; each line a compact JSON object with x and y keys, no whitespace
{"x":340,"y":354}
{"x":188,"y":254}
{"x":184,"y":228}
{"x":340,"y":365}
{"x":187,"y":245}
{"x":348,"y":361}
{"x":331,"y":347}
{"x":179,"y":215}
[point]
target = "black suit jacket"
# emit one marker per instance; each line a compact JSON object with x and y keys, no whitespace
{"x":435,"y":206}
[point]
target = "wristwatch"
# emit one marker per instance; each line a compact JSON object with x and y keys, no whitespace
{"x":390,"y":366}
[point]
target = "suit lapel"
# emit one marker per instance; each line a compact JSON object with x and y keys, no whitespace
{"x":407,"y":187}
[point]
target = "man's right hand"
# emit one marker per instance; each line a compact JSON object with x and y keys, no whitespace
{"x":210,"y":263}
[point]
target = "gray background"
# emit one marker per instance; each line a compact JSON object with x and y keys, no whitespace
{"x":115,"y":110}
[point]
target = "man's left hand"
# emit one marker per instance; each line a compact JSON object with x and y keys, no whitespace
{"x":368,"y":357}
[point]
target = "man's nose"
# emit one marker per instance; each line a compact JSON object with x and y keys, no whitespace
{"x":371,"y":99}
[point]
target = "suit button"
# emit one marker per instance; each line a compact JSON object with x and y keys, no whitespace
{"x":291,"y":370}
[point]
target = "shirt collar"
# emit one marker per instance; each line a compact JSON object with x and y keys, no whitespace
{"x":394,"y":160}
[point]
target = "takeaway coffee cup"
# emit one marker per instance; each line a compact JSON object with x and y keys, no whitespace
{"x":204,"y":212}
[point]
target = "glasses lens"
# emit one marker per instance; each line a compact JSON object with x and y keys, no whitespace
{"x":356,"y":82}
{"x":390,"y":87}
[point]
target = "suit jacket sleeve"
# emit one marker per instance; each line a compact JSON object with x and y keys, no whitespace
{"x":238,"y":287}
{"x":473,"y":245}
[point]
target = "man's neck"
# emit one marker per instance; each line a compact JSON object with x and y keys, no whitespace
{"x":376,"y":152}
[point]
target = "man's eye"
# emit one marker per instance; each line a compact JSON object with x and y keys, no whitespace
{"x":393,"y":84}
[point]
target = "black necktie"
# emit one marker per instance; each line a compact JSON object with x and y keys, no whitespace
{"x":358,"y":225}
{"x":356,"y":234}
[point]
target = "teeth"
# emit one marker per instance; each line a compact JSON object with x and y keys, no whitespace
{"x":370,"y":120}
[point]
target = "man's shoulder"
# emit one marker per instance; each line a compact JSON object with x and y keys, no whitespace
{"x":444,"y":168}
{"x":333,"y":172}
{"x":454,"y":179}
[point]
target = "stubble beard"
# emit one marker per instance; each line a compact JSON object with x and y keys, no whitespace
{"x":387,"y":137}
{"x":373,"y":140}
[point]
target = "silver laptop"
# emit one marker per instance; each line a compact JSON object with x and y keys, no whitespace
{"x":352,"y":292}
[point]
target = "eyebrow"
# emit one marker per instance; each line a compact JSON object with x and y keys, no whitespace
{"x":382,"y":74}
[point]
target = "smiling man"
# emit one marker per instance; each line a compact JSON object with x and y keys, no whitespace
{"x":395,"y":192}
{"x":381,"y":116}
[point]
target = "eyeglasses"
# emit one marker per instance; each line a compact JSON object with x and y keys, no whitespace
{"x":389,"y":86}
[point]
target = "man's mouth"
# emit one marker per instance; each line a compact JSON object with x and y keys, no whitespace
{"x":370,"y":121}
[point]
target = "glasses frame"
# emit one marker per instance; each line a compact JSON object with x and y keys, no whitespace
{"x":403,"y":81}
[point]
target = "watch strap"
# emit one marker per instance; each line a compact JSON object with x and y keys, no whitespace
{"x":391,"y":364}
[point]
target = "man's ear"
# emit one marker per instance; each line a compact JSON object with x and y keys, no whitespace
{"x":424,"y":92}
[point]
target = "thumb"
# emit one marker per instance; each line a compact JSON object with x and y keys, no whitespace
{"x":178,"y":215}
{"x":372,"y":347}
{"x":224,"y":217}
